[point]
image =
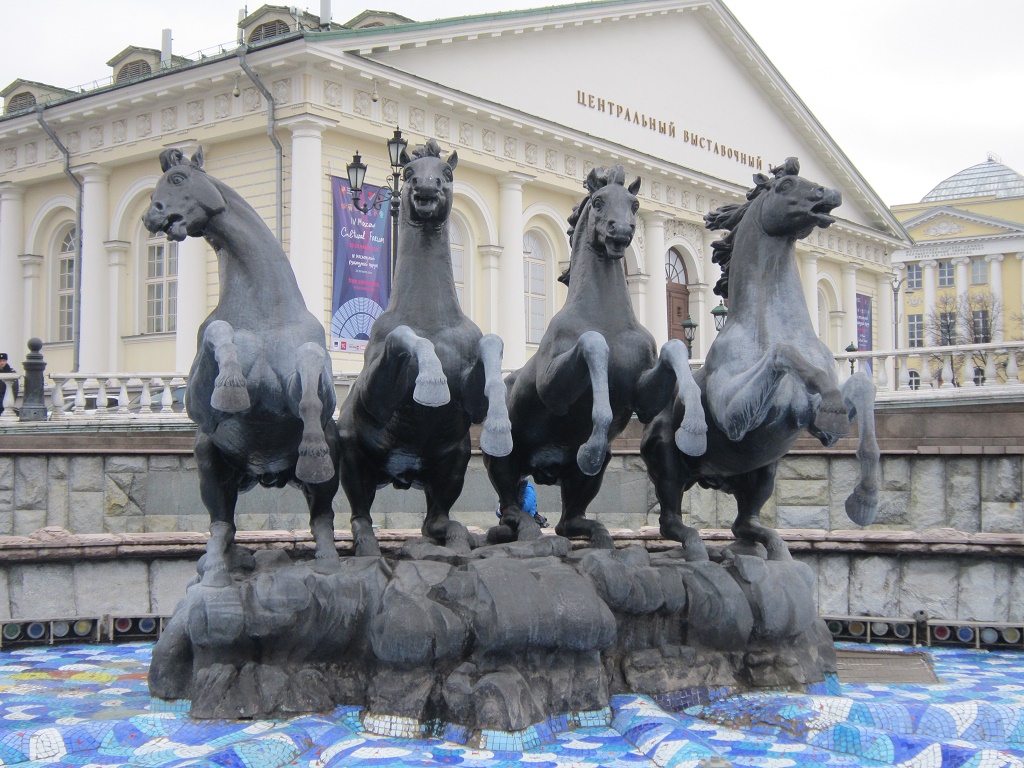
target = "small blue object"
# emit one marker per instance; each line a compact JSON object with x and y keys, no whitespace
{"x":527,"y":499}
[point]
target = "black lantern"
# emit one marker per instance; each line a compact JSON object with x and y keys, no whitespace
{"x":357,"y":174}
{"x":689,"y":332}
{"x":720,"y":313}
{"x":851,"y":349}
{"x":396,"y":146}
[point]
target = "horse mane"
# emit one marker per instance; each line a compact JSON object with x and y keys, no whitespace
{"x":430,"y":149}
{"x":729,"y":216}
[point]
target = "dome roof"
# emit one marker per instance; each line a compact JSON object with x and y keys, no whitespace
{"x":988,"y":179}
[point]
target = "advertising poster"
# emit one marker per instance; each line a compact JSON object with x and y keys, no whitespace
{"x":864,"y":327}
{"x":362,"y":268}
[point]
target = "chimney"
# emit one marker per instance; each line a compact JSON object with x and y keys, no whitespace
{"x":325,"y":14}
{"x":241,"y":17}
{"x":165,"y":49}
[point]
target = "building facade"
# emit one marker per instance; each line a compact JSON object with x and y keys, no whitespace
{"x":284,"y":109}
{"x":961,"y":282}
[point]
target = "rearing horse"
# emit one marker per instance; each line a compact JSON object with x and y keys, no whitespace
{"x":428,"y":373}
{"x":595,"y":366}
{"x":767,"y":376}
{"x":261,"y":388}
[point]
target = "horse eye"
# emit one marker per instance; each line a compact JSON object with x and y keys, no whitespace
{"x":636,"y":207}
{"x":598,"y":203}
{"x":407,"y":174}
{"x":448,"y":174}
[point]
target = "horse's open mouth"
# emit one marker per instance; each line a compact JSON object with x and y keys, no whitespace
{"x":175,"y":227}
{"x":821,"y":213}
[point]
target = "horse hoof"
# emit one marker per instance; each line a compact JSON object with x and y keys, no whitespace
{"x":692,"y":443}
{"x":456,"y":538}
{"x":590,"y":459}
{"x":230,"y":399}
{"x":314,"y":469}
{"x":496,"y":438}
{"x":433,"y":393}
{"x":216,"y":577}
{"x":862,"y":506}
{"x":367,"y":548}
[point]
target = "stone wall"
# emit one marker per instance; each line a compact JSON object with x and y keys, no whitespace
{"x":138,"y":493}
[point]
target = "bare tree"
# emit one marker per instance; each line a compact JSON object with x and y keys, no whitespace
{"x":967,"y":318}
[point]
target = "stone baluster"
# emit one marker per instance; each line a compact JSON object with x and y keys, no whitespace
{"x":991,"y":377}
{"x":947,"y":372}
{"x":101,"y":395}
{"x":904,"y":364}
{"x":57,"y":401}
{"x":967,"y":370}
{"x":926,"y":373}
{"x":9,"y":414}
{"x":122,"y":395}
{"x":881,"y":372}
{"x":79,"y":394}
{"x":166,"y":397}
{"x":146,"y":397}
{"x":1011,"y":368}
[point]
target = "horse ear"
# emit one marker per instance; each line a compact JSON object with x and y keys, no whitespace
{"x":405,"y":157}
{"x":634,"y":187}
{"x":760,"y":179}
{"x":593,"y":182}
{"x":453,"y":159}
{"x":170,"y":158}
{"x":197,"y":159}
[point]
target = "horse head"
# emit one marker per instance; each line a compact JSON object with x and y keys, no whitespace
{"x":792,"y":206}
{"x":607,"y":215}
{"x":185,"y":198}
{"x":427,"y":194}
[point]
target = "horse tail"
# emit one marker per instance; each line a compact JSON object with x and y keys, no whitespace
{"x":859,"y":396}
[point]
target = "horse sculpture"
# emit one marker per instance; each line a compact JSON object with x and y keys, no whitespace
{"x":595,"y":366}
{"x":428,"y":373}
{"x":767,"y":376}
{"x":261,"y":388}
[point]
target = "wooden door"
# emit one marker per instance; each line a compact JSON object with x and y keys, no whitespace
{"x":678,"y":309}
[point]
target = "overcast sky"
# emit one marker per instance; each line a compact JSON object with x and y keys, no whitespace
{"x":912,"y":90}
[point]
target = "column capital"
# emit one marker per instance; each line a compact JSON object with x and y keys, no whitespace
{"x":640,"y":278}
{"x":1020,"y":256}
{"x":960,"y":261}
{"x":514,"y":180}
{"x":31,"y":265}
{"x":929,"y":263}
{"x":995,"y":258}
{"x":117,"y":252}
{"x":92,"y":172}
{"x":489,"y":255}
{"x":307,"y":125}
{"x":850,"y":268}
{"x":11,"y":191}
{"x":655,"y":218}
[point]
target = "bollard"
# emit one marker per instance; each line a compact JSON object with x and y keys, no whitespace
{"x":33,"y":406}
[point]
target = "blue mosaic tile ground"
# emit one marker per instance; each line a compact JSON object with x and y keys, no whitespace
{"x":88,"y":706}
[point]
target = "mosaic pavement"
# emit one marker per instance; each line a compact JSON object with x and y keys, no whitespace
{"x":87,"y":705}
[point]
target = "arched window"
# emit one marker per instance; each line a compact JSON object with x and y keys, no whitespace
{"x":133,"y":70}
{"x":161,"y":285}
{"x":458,"y":246}
{"x":22,"y":100}
{"x":677,"y":295}
{"x":269,"y":30}
{"x":915,"y":380}
{"x":675,"y":270}
{"x":535,"y":286}
{"x":979,"y":377}
{"x":67,"y":252}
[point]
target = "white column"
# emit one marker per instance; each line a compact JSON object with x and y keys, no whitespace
{"x":637,"y":285}
{"x":849,"y":306}
{"x":963,"y":274}
{"x":883,"y":334}
{"x":995,"y":282}
{"x":490,"y":263}
{"x":836,"y":319}
{"x":193,"y":253}
{"x":654,"y":264}
{"x":809,"y":278}
{"x":12,"y":241}
{"x":307,"y":228}
{"x":928,"y":272}
{"x":94,"y":333}
{"x":32,"y":295}
{"x":511,"y":306}
{"x":700,"y":312}
{"x":117,"y":262}
{"x":1018,"y":329}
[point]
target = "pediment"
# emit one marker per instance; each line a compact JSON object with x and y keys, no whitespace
{"x":636,"y":74}
{"x":951,"y":223}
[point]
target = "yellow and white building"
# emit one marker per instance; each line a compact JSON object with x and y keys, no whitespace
{"x":532,"y":100}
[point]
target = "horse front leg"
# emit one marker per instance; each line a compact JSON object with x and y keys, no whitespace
{"x":751,"y":491}
{"x":859,"y":395}
{"x":442,"y":491}
{"x":739,"y":401}
{"x":578,"y":490}
{"x":832,"y":416}
{"x":218,"y":488}
{"x":655,"y":387}
{"x":496,"y":436}
{"x":314,"y":464}
{"x":229,"y":389}
{"x":386,"y":376}
{"x":566,"y":377}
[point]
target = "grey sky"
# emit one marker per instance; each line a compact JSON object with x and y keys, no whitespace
{"x":912,"y":90}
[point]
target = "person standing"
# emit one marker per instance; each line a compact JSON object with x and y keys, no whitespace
{"x":5,"y":367}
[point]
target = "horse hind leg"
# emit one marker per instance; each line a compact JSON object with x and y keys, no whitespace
{"x":592,"y":455}
{"x":664,"y":467}
{"x":218,"y":488}
{"x":578,"y":490}
{"x":229,"y":389}
{"x":314,"y":464}
{"x":862,"y":503}
{"x":496,"y":435}
{"x":655,"y":386}
{"x":751,"y":491}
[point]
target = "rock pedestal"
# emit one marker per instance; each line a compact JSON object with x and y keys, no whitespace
{"x":501,"y":638}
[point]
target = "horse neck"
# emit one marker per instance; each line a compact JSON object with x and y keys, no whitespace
{"x":254,"y":271}
{"x":763,"y":275}
{"x":596,"y":281}
{"x":424,"y":284}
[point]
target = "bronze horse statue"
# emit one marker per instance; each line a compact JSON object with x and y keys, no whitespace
{"x":767,"y":376}
{"x":261,"y":388}
{"x":596,"y":365}
{"x":428,"y":374}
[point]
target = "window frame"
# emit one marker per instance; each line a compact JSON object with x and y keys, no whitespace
{"x":65,"y":258}
{"x":979,"y":271}
{"x":543,"y":267}
{"x":915,"y":331}
{"x":947,"y":274}
{"x":914,"y":277}
{"x":167,"y":321}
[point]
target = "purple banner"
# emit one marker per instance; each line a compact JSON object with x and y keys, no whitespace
{"x":362,"y":268}
{"x":864,"y":327}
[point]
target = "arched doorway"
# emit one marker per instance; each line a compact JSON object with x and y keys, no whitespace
{"x":677,"y":294}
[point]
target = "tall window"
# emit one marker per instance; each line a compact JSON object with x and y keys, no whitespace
{"x":947,"y":329}
{"x":915,"y":330}
{"x":675,"y":270}
{"x":458,"y":247}
{"x":982,"y":331}
{"x":947,"y":275}
{"x":535,"y":287}
{"x":66,"y":256}
{"x":161,"y":285}
{"x":979,"y":272}
{"x":913,"y":277}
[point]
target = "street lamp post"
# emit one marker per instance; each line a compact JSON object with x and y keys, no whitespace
{"x":357,"y":173}
{"x":689,"y":333}
{"x":720,"y":314}
{"x":896,"y":285}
